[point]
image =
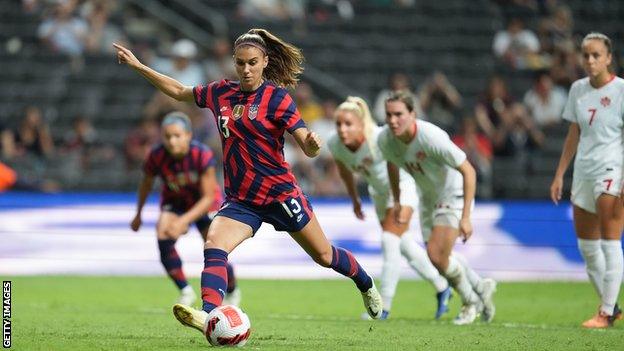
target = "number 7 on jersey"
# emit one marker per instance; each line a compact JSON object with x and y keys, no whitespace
{"x":592,"y":111}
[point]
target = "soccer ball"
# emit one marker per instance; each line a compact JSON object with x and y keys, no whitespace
{"x":227,"y":326}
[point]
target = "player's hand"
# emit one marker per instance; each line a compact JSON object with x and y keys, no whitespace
{"x":136,"y":223}
{"x":465,"y":229}
{"x":555,"y":190}
{"x":400,"y":217}
{"x":126,"y":56}
{"x":177,"y":227}
{"x":313,"y":144}
{"x":357,"y":209}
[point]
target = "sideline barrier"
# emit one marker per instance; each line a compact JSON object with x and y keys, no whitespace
{"x":89,"y":234}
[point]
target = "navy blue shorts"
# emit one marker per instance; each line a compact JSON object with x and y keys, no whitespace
{"x":201,"y":224}
{"x":289,"y":216}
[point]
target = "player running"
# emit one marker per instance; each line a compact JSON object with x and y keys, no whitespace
{"x":595,"y":110}
{"x":446,"y":183}
{"x":253,"y":114}
{"x":354,"y":147}
{"x":189,"y":192}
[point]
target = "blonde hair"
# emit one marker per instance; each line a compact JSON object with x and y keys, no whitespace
{"x":359,"y":107}
{"x":285,"y":60}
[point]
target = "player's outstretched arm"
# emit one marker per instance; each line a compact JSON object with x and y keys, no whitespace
{"x":164,"y":83}
{"x":349,"y":181}
{"x":569,"y":149}
{"x":308,"y":141}
{"x":144,"y":188}
{"x":393,"y":176}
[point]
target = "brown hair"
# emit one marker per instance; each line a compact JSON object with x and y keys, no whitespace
{"x":404,"y":96}
{"x":285,"y":60}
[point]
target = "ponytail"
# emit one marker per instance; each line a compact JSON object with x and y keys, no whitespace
{"x":285,"y":60}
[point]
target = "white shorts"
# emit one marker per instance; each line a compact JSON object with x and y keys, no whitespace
{"x":585,"y":192}
{"x":445,"y":212}
{"x":382,"y":202}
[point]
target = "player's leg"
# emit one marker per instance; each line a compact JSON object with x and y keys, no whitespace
{"x":170,"y":259}
{"x":313,"y":241}
{"x":234,"y":224}
{"x":484,"y":287}
{"x":611,"y":216}
{"x":416,"y":256}
{"x":439,"y":249}
{"x":232,"y":293}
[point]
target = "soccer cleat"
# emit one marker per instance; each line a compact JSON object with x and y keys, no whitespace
{"x":232,"y":298}
{"x":190,"y":317}
{"x":372,"y":302}
{"x":443,"y":298}
{"x":487,"y":297}
{"x":599,"y":321}
{"x":384,"y":315}
{"x":468,"y":314}
{"x":187,"y":296}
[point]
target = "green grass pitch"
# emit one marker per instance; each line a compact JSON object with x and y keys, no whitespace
{"x":128,"y":313}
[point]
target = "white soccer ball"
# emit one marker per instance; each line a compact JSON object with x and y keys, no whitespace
{"x":227,"y":326}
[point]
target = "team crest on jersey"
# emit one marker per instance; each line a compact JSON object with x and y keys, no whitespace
{"x":605,"y":101}
{"x":253,"y":112}
{"x":238,"y":111}
{"x":420,"y":155}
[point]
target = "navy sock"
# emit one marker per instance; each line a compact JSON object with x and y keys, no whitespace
{"x":171,"y":261}
{"x":344,"y":263}
{"x":214,"y":278}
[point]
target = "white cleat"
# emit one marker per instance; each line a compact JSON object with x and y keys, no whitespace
{"x":233,"y":298}
{"x":468,"y":314}
{"x":187,"y":296}
{"x":489,"y":310}
{"x":372,"y":302}
{"x":190,"y":317}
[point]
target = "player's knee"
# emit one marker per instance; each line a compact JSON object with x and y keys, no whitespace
{"x":323,"y":258}
{"x":437,"y":258}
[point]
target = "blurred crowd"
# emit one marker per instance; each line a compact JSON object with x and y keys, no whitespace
{"x":537,"y":37}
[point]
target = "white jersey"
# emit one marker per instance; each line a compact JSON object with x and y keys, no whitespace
{"x":431,"y":158}
{"x":370,"y":164}
{"x":599,"y":114}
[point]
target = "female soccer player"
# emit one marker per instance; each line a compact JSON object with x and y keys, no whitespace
{"x":189,"y":192}
{"x":446,"y":183}
{"x":253,"y":114}
{"x":354,"y":147}
{"x":595,"y":112}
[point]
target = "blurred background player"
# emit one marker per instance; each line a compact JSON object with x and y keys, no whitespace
{"x":252,"y":115}
{"x":354,"y":147}
{"x":189,"y":193}
{"x":446,"y":183}
{"x":594,"y":110}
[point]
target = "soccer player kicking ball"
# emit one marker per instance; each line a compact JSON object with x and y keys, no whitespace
{"x":595,"y":110}
{"x":447,"y":183}
{"x":189,"y":192}
{"x":253,"y":114}
{"x":354,"y":147}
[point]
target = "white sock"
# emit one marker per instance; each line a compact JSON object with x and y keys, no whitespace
{"x":614,"y":267}
{"x":592,"y":253}
{"x":457,"y":278}
{"x":391,"y":269}
{"x":475,"y":280}
{"x":417,"y":258}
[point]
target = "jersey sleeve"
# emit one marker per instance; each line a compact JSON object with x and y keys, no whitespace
{"x":569,"y":111}
{"x":441,"y":147}
{"x":287,"y":115}
{"x":203,"y":95}
{"x":384,"y":147}
{"x":332,"y":145}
